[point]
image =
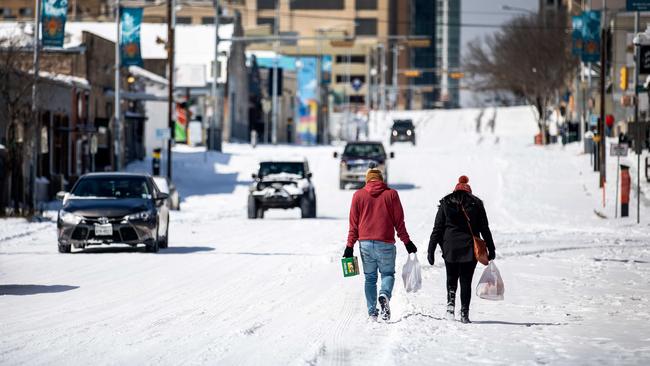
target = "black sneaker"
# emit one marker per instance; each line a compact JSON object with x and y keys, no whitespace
{"x":385,"y":307}
{"x":464,"y":316}
{"x":451,"y":305}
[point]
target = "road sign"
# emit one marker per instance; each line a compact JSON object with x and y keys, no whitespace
{"x":618,"y":150}
{"x":356,"y":84}
{"x":162,"y":134}
{"x":637,"y":5}
{"x":93,"y":144}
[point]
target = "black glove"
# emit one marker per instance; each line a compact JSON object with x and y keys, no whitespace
{"x":492,"y":255}
{"x":431,"y":258}
{"x":411,"y":248}
{"x":348,"y":253}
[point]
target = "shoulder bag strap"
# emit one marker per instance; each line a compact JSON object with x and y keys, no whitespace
{"x":467,"y":218}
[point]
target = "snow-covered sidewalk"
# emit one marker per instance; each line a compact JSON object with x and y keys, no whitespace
{"x":233,"y":291}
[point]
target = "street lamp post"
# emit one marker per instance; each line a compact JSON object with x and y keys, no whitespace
{"x":37,"y":130}
{"x":215,"y":128}
{"x":118,"y":112}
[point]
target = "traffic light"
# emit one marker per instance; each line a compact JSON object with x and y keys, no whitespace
{"x":623,"y":75}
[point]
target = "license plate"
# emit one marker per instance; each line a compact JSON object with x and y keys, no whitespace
{"x":103,"y":230}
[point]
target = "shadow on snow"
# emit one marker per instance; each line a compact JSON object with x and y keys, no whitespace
{"x":22,"y":290}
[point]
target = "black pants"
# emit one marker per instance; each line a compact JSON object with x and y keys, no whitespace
{"x":463,"y":271}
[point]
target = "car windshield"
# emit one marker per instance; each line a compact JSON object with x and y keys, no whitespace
{"x":112,"y":187}
{"x":272,"y":168}
{"x":364,"y":150}
{"x":403,"y":125}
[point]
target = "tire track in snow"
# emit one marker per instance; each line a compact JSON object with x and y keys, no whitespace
{"x":340,"y":353}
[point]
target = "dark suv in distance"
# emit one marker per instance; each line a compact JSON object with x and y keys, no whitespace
{"x":107,"y":208}
{"x":357,"y":158}
{"x":402,"y":130}
{"x":282,"y":184}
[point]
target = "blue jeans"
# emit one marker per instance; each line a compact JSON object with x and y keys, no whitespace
{"x":377,"y":255}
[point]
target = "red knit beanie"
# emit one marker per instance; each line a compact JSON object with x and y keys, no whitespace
{"x":463,"y":184}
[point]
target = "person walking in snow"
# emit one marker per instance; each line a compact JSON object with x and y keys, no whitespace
{"x":375,"y":214}
{"x":456,"y":213}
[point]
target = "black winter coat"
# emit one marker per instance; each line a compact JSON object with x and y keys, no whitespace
{"x":451,"y":231}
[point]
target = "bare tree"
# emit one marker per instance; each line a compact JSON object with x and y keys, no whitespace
{"x":17,"y":121}
{"x":530,"y":56}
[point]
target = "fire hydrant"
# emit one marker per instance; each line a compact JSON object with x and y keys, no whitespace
{"x":155,"y":162}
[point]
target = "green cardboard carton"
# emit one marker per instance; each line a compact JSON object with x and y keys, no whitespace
{"x":350,"y":266}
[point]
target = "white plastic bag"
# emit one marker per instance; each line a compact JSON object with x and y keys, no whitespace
{"x":490,"y":287}
{"x":411,"y":274}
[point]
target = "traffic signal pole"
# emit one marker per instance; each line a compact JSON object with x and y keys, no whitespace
{"x":170,"y":96}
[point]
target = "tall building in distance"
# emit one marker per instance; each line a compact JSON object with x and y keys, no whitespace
{"x":448,"y":51}
{"x":423,"y":92}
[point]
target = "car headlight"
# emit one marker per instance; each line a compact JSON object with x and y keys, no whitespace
{"x":69,"y":217}
{"x":140,"y":216}
{"x":409,"y":132}
{"x":394,"y":133}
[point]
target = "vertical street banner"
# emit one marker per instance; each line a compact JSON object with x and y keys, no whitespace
{"x":130,"y":21}
{"x":53,"y":22}
{"x":326,"y":70}
{"x":307,"y":101}
{"x":576,"y":35}
{"x":180,"y":126}
{"x":591,"y":36}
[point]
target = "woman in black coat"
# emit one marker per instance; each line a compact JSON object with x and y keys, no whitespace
{"x":452,"y":232}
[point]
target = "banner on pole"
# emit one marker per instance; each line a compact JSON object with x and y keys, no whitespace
{"x":591,"y":36}
{"x":637,"y":5}
{"x":576,"y":35}
{"x":307,"y":101}
{"x":53,"y":22}
{"x":130,"y":21}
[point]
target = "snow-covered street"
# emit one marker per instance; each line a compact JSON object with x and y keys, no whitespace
{"x":234,"y":291}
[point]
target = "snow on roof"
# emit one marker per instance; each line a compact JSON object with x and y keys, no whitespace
{"x":66,"y":79}
{"x":194,"y":43}
{"x":138,"y":71}
{"x":284,"y":159}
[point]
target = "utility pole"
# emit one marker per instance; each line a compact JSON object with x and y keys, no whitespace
{"x":37,"y":130}
{"x":395,"y":87}
{"x":382,"y":101}
{"x":602,"y":153}
{"x":171,"y":20}
{"x":118,"y":112}
{"x":215,"y":128}
{"x":637,"y":62}
{"x":274,"y":98}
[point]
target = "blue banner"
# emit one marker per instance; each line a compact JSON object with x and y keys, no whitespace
{"x":591,"y":36}
{"x":576,"y":35}
{"x":130,"y":21}
{"x":53,"y":22}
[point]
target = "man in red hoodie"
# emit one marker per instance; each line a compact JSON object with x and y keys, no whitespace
{"x":375,"y":214}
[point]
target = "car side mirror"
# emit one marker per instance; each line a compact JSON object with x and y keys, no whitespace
{"x":162,"y":196}
{"x":254,"y":176}
{"x":392,"y":155}
{"x":309,"y":175}
{"x":61,"y":195}
{"x":336,"y":155}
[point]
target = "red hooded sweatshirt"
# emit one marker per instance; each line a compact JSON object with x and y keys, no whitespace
{"x":375,"y":214}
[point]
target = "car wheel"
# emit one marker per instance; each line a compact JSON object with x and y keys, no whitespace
{"x":308,"y":207}
{"x":341,"y":184}
{"x":163,"y":243}
{"x":152,"y":245}
{"x":252,"y":207}
{"x":65,"y":248}
{"x":260,"y":213}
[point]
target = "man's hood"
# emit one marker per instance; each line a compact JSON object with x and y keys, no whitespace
{"x":375,"y":187}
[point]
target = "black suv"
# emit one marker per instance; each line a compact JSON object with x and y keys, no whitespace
{"x":357,"y":158}
{"x":282,"y":184}
{"x":402,"y":130}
